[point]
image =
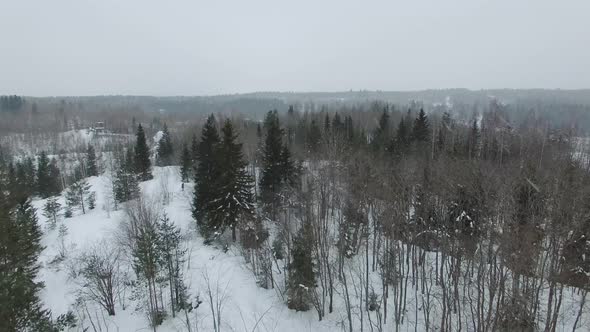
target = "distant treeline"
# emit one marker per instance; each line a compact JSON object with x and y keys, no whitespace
{"x":562,"y":108}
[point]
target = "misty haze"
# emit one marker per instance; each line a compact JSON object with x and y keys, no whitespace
{"x":294,"y":166}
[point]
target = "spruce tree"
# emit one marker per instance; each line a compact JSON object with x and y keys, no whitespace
{"x":91,"y":169}
{"x":233,"y":201}
{"x":421,"y":130}
{"x":349,"y":129}
{"x":382,"y":134}
{"x":289,"y":170}
{"x":271,"y":178}
{"x":403,"y":134}
{"x":336,"y":123}
{"x":142,"y":163}
{"x":55,"y":180}
{"x":194,"y":150}
{"x":77,"y":195}
{"x":43,"y":179}
{"x":207,"y":173}
{"x":473,"y":141}
{"x":20,"y":236}
{"x":186,"y":164}
{"x":25,"y":179}
{"x":165,"y":151}
{"x":314,"y":137}
{"x":125,"y":186}
{"x":301,"y":269}
{"x":51,"y":210}
{"x":12,"y":185}
{"x":147,"y":264}
{"x":173,"y":257}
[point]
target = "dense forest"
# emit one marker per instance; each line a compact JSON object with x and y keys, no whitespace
{"x":440,"y":210}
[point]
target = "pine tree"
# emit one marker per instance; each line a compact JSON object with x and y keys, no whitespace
{"x":186,"y":164}
{"x":233,"y":201}
{"x":421,"y":131}
{"x":301,"y":269}
{"x":142,"y":163}
{"x":51,"y":210}
{"x":206,"y":174}
{"x":77,"y":195}
{"x":43,"y":179}
{"x":91,"y":169}
{"x":165,"y":151}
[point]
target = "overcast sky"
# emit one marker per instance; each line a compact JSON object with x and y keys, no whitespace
{"x":170,"y":47}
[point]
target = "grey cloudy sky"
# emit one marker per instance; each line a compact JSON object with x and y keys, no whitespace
{"x":173,"y":47}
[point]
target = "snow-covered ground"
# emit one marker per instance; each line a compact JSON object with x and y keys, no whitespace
{"x":247,"y":305}
{"x":57,"y":143}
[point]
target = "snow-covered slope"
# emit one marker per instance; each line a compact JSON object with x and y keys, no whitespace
{"x":247,"y":305}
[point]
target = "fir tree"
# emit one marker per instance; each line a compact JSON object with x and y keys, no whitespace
{"x":165,"y":151}
{"x":142,"y":163}
{"x":91,"y":169}
{"x":421,"y":131}
{"x":186,"y":164}
{"x":206,"y":174}
{"x":301,"y":269}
